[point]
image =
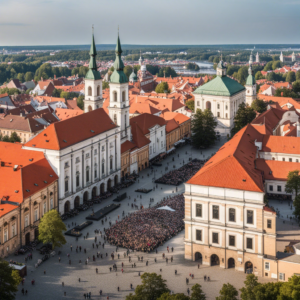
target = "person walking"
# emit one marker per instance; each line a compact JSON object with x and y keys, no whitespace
{"x":188,"y":291}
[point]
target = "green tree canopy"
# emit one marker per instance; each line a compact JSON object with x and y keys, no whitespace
{"x":290,"y":290}
{"x":51,"y":229}
{"x":284,"y":92}
{"x":296,"y":86}
{"x":244,"y":115}
{"x":203,"y":128}
{"x":190,"y":104}
{"x":162,"y":87}
{"x":258,"y":75}
{"x":291,"y":77}
{"x":197,"y":293}
{"x":127,"y":70}
{"x":80,"y":102}
{"x":14,"y":138}
{"x":152,"y":287}
{"x":64,"y":95}
{"x":259,"y":105}
{"x":293,"y":182}
{"x":192,"y":66}
{"x":152,"y":69}
{"x":167,"y":72}
{"x":247,"y":292}
{"x":276,"y":64}
{"x":28,"y":76}
{"x":267,"y":291}
{"x":167,"y":296}
{"x":10,"y":92}
{"x":298,"y":75}
{"x":228,"y":292}
{"x":105,"y":85}
{"x":9,"y":281}
{"x":20,"y":76}
{"x":269,"y":66}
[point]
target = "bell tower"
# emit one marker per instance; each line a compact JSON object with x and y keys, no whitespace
{"x":119,"y":100}
{"x":250,"y":87}
{"x":93,"y":82}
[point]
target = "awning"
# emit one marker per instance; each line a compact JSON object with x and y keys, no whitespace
{"x":171,"y":150}
{"x":166,"y":208}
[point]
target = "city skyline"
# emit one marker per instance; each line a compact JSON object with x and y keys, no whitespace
{"x":149,"y":22}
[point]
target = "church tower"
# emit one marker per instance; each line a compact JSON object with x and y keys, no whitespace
{"x":257,"y":58}
{"x":293,"y":57}
{"x":221,"y":70}
{"x":119,"y":101}
{"x":251,"y":59}
{"x":140,"y":60}
{"x":250,"y":87}
{"x":281,"y":57}
{"x":93,"y":83}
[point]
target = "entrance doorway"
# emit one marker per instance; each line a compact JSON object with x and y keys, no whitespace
{"x":27,"y":238}
{"x":85,"y":196}
{"x":248,"y":267}
{"x":94,"y":192}
{"x":102,"y":189}
{"x":214,"y":260}
{"x":198,"y":257}
{"x":67,"y":207}
{"x":231,"y":263}
{"x":109,"y":184}
{"x":116,"y":180}
{"x":76,"y":202}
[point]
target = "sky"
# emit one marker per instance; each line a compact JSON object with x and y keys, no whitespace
{"x":149,"y":22}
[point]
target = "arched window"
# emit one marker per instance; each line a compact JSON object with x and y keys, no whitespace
{"x":123,"y":96}
{"x":77,"y":179}
{"x":218,"y":106}
{"x":226,"y":116}
{"x":87,"y":174}
{"x":89,"y":91}
{"x":115,"y":96}
{"x":95,"y":172}
{"x":98,"y":90}
{"x":115,"y":119}
{"x":103,"y":166}
{"x":90,"y":108}
{"x":208,"y":105}
{"x":218,"y":114}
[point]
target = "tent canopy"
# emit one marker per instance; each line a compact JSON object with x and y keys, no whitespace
{"x":166,"y":208}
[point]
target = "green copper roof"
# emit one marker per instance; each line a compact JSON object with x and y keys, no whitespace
{"x":220,"y":86}
{"x":220,"y":65}
{"x":92,"y":72}
{"x":250,"y":79}
{"x":133,"y":76}
{"x":118,"y":76}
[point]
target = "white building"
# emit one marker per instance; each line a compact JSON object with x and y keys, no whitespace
{"x":222,"y":96}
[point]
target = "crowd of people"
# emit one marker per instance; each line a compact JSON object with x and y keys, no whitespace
{"x":147,"y":229}
{"x":183,"y":174}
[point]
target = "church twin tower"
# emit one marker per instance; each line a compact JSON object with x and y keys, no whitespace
{"x":118,"y":101}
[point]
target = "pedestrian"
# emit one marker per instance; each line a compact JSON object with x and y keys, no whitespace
{"x":59,"y":259}
{"x":198,"y":266}
{"x":96,"y":270}
{"x":175,"y":272}
{"x":26,"y":292}
{"x":63,"y":284}
{"x":188,"y":291}
{"x":118,"y":289}
{"x":100,"y":292}
{"x":79,"y":279}
{"x":23,"y":291}
{"x":71,"y":247}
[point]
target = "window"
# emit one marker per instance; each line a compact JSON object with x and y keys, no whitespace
{"x":231,"y":214}
{"x":218,"y":114}
{"x":103,"y":167}
{"x":215,"y":212}
{"x":226,"y":107}
{"x":198,"y":235}
{"x":95,"y":152}
{"x":290,"y":160}
{"x":66,"y":185}
{"x":5,"y":235}
{"x":77,"y":160}
{"x":26,"y":221}
{"x":218,"y":106}
{"x":95,"y":171}
{"x":115,"y":96}
{"x":250,"y":216}
{"x":162,"y":144}
{"x":115,"y":119}
{"x":150,"y":150}
{"x":271,"y":188}
{"x":103,"y":148}
{"x":87,"y":174}
{"x":278,"y":188}
{"x":199,"y":210}
{"x":249,"y":243}
{"x":87,"y":155}
{"x":51,"y":203}
{"x":269,"y":223}
{"x":77,"y":179}
{"x":111,"y":144}
{"x":273,"y":158}
{"x":281,"y":276}
{"x":232,"y":240}
{"x":123,"y":96}
{"x":111,"y":163}
{"x":66,"y":165}
{"x":283,"y":159}
{"x":226,"y":116}
{"x":267,"y":266}
{"x":44,"y":208}
{"x":215,"y":238}
{"x":198,"y":103}
{"x":35,"y":215}
{"x":98,"y":90}
{"x":90,"y":91}
{"x":297,"y":160}
{"x":13,"y":230}
{"x":161,"y":133}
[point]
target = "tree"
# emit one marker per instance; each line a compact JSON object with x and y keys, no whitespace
{"x":152,"y":69}
{"x":293,"y":182}
{"x":167,"y":296}
{"x":291,"y":77}
{"x":6,"y":138}
{"x":152,"y":287}
{"x":127,"y":70}
{"x":28,"y":76}
{"x":197,"y":293}
{"x":20,"y":76}
{"x":296,"y":211}
{"x":244,"y":115}
{"x":51,"y":229}
{"x":290,"y":290}
{"x":80,"y":102}
{"x":284,"y":92}
{"x":167,"y":72}
{"x":105,"y":85}
{"x":64,"y":95}
{"x":267,"y":291}
{"x":269,"y":66}
{"x":14,"y":138}
{"x":10,"y":92}
{"x":296,"y":86}
{"x":29,"y":90}
{"x":258,"y":75}
{"x":192,"y":66}
{"x":276,"y":64}
{"x":16,"y":276}
{"x":228,"y":292}
{"x":248,"y":291}
{"x":8,"y":281}
{"x":298,"y":75}
{"x":190,"y":104}
{"x":203,"y":128}
{"x":259,"y":105}
{"x":162,"y":87}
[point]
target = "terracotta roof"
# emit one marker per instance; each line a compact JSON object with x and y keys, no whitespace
{"x":281,"y":144}
{"x":141,"y":108}
{"x":269,"y":209}
{"x":138,"y":137}
{"x":282,"y":101}
{"x":65,"y":133}
{"x":64,"y":114}
{"x":178,"y":117}
{"x":30,"y":176}
{"x":233,"y":165}
{"x":3,"y":95}
{"x":126,"y":146}
{"x":72,"y":104}
{"x":147,"y":121}
{"x":171,"y":125}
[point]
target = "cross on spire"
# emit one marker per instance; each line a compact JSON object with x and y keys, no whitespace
{"x":93,"y":28}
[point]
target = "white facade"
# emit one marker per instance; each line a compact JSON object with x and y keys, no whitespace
{"x":119,"y":108}
{"x":89,"y":164}
{"x":158,"y":141}
{"x":93,"y":94}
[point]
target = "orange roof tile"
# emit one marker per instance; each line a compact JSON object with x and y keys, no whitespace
{"x":126,"y":146}
{"x":281,"y":144}
{"x":64,"y":114}
{"x":171,"y":125}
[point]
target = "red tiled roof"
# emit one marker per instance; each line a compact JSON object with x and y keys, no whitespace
{"x":233,"y":165}
{"x":138,"y":137}
{"x":281,"y":144}
{"x":146,"y":121}
{"x":63,"y":113}
{"x":65,"y":133}
{"x":126,"y":146}
{"x":171,"y":125}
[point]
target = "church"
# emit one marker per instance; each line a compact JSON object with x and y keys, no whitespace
{"x":223,"y":95}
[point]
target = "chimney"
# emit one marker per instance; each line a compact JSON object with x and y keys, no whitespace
{"x":54,"y":77}
{"x":42,"y":79}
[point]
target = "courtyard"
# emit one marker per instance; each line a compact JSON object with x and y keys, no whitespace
{"x":54,"y":278}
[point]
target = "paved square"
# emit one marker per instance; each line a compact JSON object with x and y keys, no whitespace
{"x":49,"y":286}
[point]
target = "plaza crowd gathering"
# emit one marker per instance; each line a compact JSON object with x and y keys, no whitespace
{"x":147,"y":229}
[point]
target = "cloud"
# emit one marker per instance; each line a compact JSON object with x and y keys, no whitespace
{"x":13,"y":24}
